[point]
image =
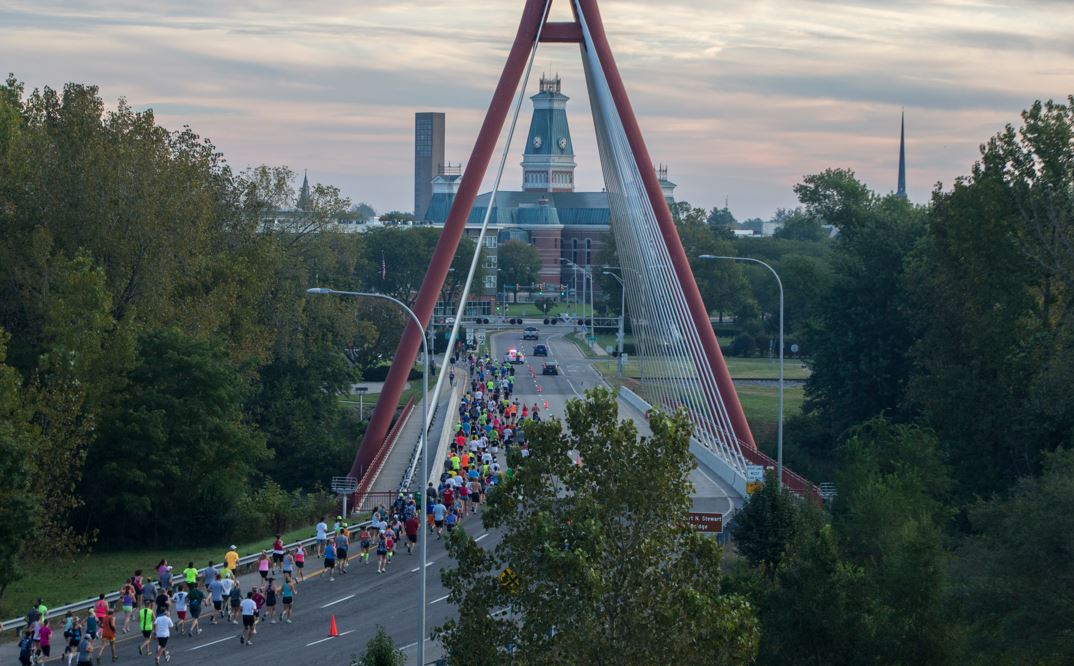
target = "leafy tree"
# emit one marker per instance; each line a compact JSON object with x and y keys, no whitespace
{"x":862,"y":334}
{"x":20,"y":509}
{"x":395,"y":217}
{"x":364,"y":211}
{"x":991,"y":336}
{"x":720,"y":218}
{"x":799,"y":226}
{"x":599,"y":553}
{"x":176,"y":455}
{"x":767,"y":526}
{"x":1014,"y":569}
{"x":380,"y":651}
{"x":519,"y":263}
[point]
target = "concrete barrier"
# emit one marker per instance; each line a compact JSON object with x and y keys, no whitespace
{"x":702,"y":453}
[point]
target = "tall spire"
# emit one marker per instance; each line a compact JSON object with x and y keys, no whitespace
{"x":902,"y":156}
{"x":304,"y":200}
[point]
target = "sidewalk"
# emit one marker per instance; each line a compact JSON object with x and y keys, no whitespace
{"x":399,"y":459}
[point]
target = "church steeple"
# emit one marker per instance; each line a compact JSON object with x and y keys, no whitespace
{"x":304,"y":200}
{"x":902,"y":157}
{"x":548,"y":163}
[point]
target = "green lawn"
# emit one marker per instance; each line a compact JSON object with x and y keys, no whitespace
{"x":741,"y":368}
{"x":761,"y":403}
{"x":61,"y":582}
{"x":531,"y":310}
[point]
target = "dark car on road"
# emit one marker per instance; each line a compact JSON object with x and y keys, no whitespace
{"x":540,"y":350}
{"x":530,"y":333}
{"x":550,"y":368}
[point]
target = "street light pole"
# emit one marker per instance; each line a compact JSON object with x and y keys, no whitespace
{"x":424,"y":442}
{"x":622,"y":316}
{"x":779,"y":427}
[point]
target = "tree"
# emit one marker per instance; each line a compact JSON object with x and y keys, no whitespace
{"x":596,"y":554}
{"x":767,"y":526}
{"x":364,"y":211}
{"x":799,"y":226}
{"x":720,"y":218}
{"x":20,"y":508}
{"x":176,"y":456}
{"x":1015,"y":567}
{"x":863,"y":332}
{"x":519,"y":263}
{"x":994,"y":291}
{"x":395,"y":217}
{"x":380,"y":651}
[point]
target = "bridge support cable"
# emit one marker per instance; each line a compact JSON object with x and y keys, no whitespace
{"x":521,"y":53}
{"x":662,"y":318}
{"x":475,"y":260}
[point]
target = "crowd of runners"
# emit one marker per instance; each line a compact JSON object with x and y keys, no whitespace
{"x":167,"y":601}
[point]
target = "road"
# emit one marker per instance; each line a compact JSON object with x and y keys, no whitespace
{"x":363,"y":599}
{"x":577,"y":375}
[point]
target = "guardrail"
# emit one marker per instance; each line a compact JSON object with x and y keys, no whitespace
{"x":244,"y":565}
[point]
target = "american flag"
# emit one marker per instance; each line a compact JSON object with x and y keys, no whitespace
{"x":383,"y":268}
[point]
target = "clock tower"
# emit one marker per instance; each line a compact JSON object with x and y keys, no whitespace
{"x":548,"y":163}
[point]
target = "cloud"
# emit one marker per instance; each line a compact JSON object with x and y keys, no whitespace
{"x":741,"y":99}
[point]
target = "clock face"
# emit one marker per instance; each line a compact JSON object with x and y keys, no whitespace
{"x":562,"y":143}
{"x":536,"y":142}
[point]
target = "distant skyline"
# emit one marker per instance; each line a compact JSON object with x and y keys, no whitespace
{"x":739,"y":99}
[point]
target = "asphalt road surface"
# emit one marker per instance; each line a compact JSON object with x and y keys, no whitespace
{"x":362,"y":599}
{"x":577,"y":375}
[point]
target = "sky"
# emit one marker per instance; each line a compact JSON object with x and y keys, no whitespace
{"x":740,"y":99}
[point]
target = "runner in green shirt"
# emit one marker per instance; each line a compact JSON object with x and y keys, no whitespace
{"x":190,"y":575}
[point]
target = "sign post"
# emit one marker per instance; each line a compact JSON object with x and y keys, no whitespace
{"x":344,"y":486}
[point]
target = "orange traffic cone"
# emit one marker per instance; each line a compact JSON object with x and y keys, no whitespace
{"x":332,"y":631}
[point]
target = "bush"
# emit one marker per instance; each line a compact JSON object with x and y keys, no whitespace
{"x":743,"y":345}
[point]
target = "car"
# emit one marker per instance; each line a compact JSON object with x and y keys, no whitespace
{"x":514,"y":356}
{"x":550,"y":368}
{"x":540,"y":350}
{"x":529,"y":333}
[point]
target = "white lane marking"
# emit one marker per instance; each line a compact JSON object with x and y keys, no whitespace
{"x":440,"y":599}
{"x":482,"y":536}
{"x":410,"y":645}
{"x":342,"y":634}
{"x":338,"y":601}
{"x":229,"y":638}
{"x":417,"y":569}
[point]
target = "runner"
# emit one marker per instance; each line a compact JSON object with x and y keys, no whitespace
{"x":277,"y":554}
{"x":216,"y":594}
{"x":263,"y":566}
{"x":72,"y":631}
{"x":85,"y":648}
{"x":163,"y":624}
{"x":300,"y":561}
{"x":382,"y":555}
{"x":231,"y":559}
{"x":288,"y":593}
{"x":363,"y":542}
{"x":389,"y":544}
{"x":342,"y":543}
{"x":190,"y":576}
{"x":126,"y":598}
{"x":194,"y":600}
{"x":44,"y":639}
{"x":181,"y":599}
{"x":411,"y":526}
{"x":235,"y":601}
{"x":439,"y":511}
{"x":145,"y":623}
{"x":322,"y":536}
{"x":330,"y":560}
{"x":108,"y":635}
{"x":249,"y":609}
{"x":270,"y":600}
{"x":288,"y":566}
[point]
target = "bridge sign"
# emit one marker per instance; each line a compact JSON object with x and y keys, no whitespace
{"x":481,"y":333}
{"x":754,"y":473}
{"x":706,"y":522}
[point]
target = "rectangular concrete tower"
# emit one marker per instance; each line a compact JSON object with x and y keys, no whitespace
{"x":428,"y":157}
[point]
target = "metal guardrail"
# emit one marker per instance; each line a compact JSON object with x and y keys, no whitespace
{"x":86,"y":604}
